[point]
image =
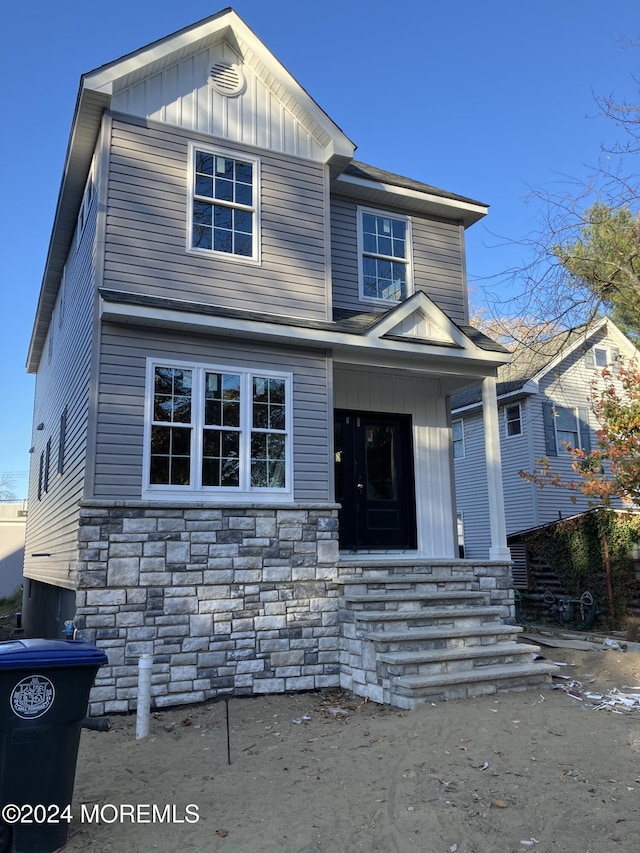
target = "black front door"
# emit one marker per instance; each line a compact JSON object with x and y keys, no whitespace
{"x":374,"y":480}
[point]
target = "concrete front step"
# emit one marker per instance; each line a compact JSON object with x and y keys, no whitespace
{"x":407,"y":691}
{"x":425,"y":613}
{"x":461,"y":579}
{"x":437,"y":596}
{"x":423,"y":639}
{"x":428,"y":656}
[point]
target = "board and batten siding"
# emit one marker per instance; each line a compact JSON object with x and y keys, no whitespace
{"x":438,"y":263}
{"x":146,"y":238}
{"x":378,"y":391}
{"x":121,"y":404}
{"x":260,"y":115}
{"x":471,"y":488}
{"x":63,"y":381}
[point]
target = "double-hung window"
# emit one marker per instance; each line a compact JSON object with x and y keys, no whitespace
{"x":217,"y":430}
{"x":513,"y":419}
{"x":567,"y":429}
{"x":565,"y":426}
{"x":224,"y":205}
{"x":457,"y":428}
{"x":385,"y":251}
{"x":600,"y":356}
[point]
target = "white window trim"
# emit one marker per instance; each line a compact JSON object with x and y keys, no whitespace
{"x":464,"y":449}
{"x":560,"y":448}
{"x":408,"y":260}
{"x":506,"y":421}
{"x":244,"y":493}
{"x":256,"y":257}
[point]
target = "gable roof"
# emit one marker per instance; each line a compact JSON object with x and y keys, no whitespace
{"x":530,"y":364}
{"x":98,"y":87}
{"x":102,"y":85}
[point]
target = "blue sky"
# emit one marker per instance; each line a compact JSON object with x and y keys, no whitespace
{"x":487,"y":99}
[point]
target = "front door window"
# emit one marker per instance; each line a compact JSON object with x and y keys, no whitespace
{"x":374,"y":481}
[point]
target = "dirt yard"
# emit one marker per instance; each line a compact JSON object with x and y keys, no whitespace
{"x":328,"y":773}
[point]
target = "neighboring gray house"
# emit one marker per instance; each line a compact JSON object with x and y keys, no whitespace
{"x":13,"y":520}
{"x":245,"y":345}
{"x":542,"y":404}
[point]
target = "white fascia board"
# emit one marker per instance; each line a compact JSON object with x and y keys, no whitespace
{"x":227,"y":25}
{"x":419,"y":302}
{"x":447,"y":359}
{"x":451,"y":207}
{"x":580,"y":341}
{"x":527,"y":388}
{"x":104,"y":77}
{"x":623,"y":341}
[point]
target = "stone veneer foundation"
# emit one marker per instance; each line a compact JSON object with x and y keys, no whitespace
{"x":234,"y":599}
{"x":240,"y":600}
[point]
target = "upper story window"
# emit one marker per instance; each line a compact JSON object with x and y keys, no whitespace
{"x":213,"y":430}
{"x":384,"y":243}
{"x":457,"y":428}
{"x":601,"y":356}
{"x":566,"y":427}
{"x":513,"y":419}
{"x":224,"y":211}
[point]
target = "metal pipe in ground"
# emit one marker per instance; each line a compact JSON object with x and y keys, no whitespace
{"x":145,"y":664}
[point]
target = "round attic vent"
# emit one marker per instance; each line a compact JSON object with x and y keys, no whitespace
{"x":226,"y":78}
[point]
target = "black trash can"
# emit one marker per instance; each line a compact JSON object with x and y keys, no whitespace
{"x":44,"y":693}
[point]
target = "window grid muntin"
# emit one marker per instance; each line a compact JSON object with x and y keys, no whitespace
{"x":171,"y":438}
{"x":567,"y":427}
{"x":457,"y":433}
{"x":222,"y":396}
{"x":513,"y":419}
{"x":268,"y":433}
{"x":274,"y":454}
{"x":224,"y":206}
{"x":384,"y":256}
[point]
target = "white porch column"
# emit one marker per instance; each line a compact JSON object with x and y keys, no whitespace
{"x":498,"y":527}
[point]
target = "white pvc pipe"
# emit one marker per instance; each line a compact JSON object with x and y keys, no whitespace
{"x":145,"y":663}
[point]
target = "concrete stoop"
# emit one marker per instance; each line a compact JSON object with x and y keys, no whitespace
{"x":430,"y":634}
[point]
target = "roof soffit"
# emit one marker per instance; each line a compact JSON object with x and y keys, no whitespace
{"x":386,"y":193}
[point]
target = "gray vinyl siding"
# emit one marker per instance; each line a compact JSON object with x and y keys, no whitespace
{"x":438,"y":263}
{"x":471,"y":480}
{"x":120,"y":428}
{"x":146,"y":248}
{"x":63,"y":381}
{"x":471,"y":488}
{"x":568,"y":386}
{"x":515,"y":451}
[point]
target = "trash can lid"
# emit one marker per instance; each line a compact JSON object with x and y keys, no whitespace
{"x":16,"y":654}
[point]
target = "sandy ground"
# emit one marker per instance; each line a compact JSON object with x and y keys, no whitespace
{"x":511,"y":772}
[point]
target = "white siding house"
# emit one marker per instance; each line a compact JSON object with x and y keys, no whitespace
{"x":542,"y":403}
{"x":245,"y":345}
